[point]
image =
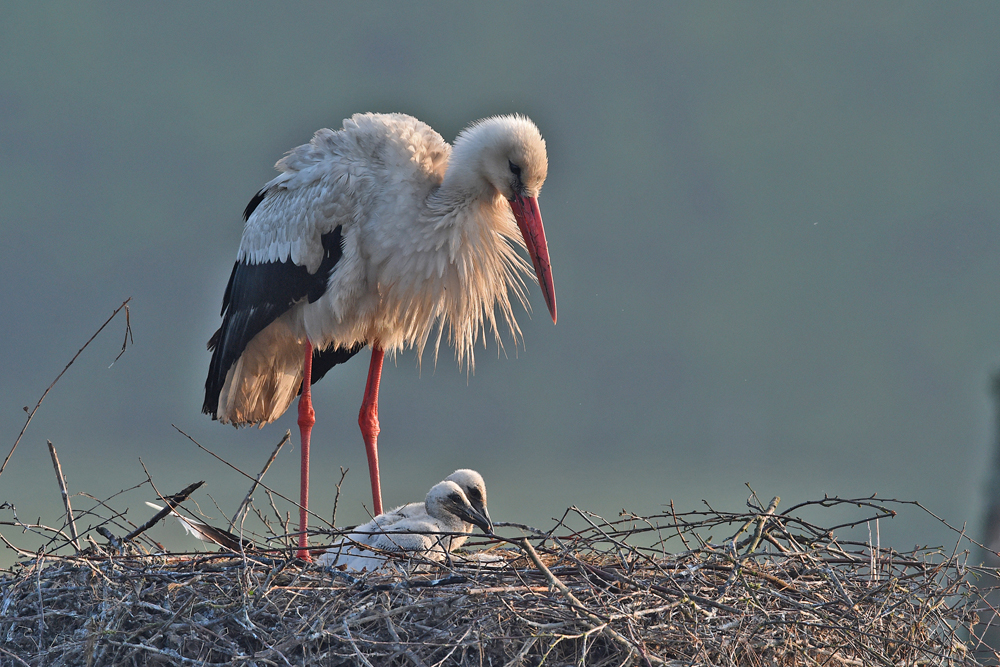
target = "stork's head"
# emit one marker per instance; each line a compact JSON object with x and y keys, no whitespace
{"x":474,"y":488}
{"x":452,"y":496}
{"x":506,"y":155}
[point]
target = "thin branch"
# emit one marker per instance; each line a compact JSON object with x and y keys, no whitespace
{"x":31,"y":414}
{"x":128,"y":336}
{"x":758,"y":533}
{"x":65,"y":496}
{"x":601,"y":624}
{"x":261,"y":484}
{"x":256,"y":482}
{"x":336,"y":498}
{"x":172,"y":502}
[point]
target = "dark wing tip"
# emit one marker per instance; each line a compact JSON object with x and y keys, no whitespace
{"x":213,"y":342}
{"x":254,"y":203}
{"x":256,"y":295}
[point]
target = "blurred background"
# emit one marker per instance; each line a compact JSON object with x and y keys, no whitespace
{"x":773,"y":230}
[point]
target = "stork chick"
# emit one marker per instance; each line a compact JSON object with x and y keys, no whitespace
{"x":430,"y":529}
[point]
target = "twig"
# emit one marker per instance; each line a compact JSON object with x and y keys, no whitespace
{"x":46,"y":392}
{"x":110,"y":537}
{"x":128,"y":336}
{"x":253,"y":487}
{"x":41,"y":602}
{"x":18,"y":550}
{"x":65,"y":496}
{"x":171,"y":654}
{"x":761,"y":521}
{"x":37,"y":528}
{"x":528,"y":549}
{"x":677,"y":526}
{"x":172,"y":502}
{"x":840,"y":588}
{"x":336,"y":498}
{"x":261,"y":484}
{"x":14,"y":655}
{"x":410,"y":655}
{"x":354,"y":645}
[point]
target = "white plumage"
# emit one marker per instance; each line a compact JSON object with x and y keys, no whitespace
{"x":382,"y":235}
{"x":429,"y":529}
{"x":423,"y":248}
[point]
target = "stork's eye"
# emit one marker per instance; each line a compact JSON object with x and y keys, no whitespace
{"x":455,"y":498}
{"x":474,"y":494}
{"x":514,"y":169}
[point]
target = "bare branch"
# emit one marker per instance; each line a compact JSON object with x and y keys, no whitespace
{"x":31,"y":414}
{"x":256,"y":482}
{"x":65,"y":495}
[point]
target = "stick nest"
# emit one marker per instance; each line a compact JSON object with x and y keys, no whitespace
{"x":770,"y":589}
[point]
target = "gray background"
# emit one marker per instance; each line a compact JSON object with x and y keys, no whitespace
{"x":773,"y":229}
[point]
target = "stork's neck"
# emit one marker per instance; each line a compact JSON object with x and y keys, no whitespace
{"x":454,"y":214}
{"x":463,"y":181}
{"x":464,"y":187}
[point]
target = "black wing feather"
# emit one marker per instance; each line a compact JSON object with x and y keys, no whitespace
{"x":324,"y":360}
{"x":257,"y":294}
{"x":254,"y":203}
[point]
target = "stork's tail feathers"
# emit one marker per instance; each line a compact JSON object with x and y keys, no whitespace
{"x":262,"y":382}
{"x":258,"y":384}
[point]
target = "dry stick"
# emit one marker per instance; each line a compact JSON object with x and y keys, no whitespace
{"x":679,"y":593}
{"x":261,"y":484}
{"x":516,"y":660}
{"x":283,"y":522}
{"x":758,"y":533}
{"x":33,"y":527}
{"x":14,"y":655}
{"x":847,"y":598}
{"x":41,"y":600}
{"x":410,"y":655}
{"x":354,"y":645}
{"x":336,"y":498}
{"x":46,"y":393}
{"x":109,"y":536}
{"x":128,"y":336}
{"x":760,"y":519}
{"x":168,"y":653}
{"x":274,"y":454}
{"x":18,"y":550}
{"x":677,"y":527}
{"x":172,"y":502}
{"x":166,"y":624}
{"x":604,"y":627}
{"x":65,"y":496}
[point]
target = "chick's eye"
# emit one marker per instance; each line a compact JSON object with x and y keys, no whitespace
{"x":514,"y":169}
{"x":474,"y":494}
{"x":455,"y":498}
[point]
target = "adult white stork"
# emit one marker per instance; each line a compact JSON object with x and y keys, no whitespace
{"x":429,"y":529}
{"x":378,"y":234}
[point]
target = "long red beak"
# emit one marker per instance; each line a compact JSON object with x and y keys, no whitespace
{"x":529,"y":220}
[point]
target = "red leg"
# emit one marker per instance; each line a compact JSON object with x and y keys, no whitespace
{"x":307,"y":417}
{"x":368,"y":421}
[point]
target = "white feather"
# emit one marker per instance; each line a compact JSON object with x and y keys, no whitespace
{"x":191,"y":526}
